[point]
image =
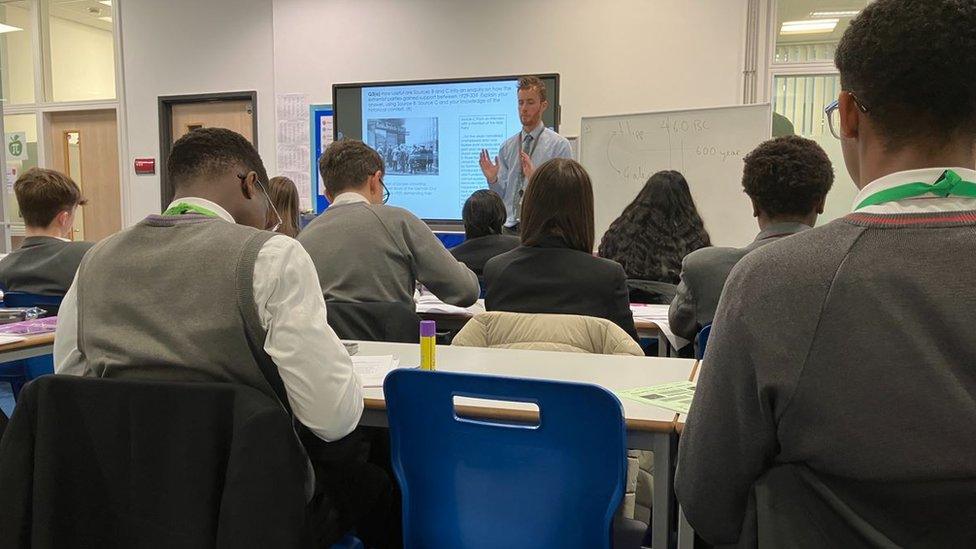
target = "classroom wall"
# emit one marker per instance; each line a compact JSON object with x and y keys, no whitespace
{"x":614,"y":57}
{"x":187,"y":46}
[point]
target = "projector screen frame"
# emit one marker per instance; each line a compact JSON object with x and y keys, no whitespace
{"x":449,"y":224}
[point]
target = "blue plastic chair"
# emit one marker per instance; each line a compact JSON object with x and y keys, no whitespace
{"x":16,"y":374}
{"x":481,"y":483}
{"x":702,"y":340}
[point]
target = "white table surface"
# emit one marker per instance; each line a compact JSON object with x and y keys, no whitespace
{"x":611,"y":372}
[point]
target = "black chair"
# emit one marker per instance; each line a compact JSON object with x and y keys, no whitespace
{"x":392,"y":322}
{"x":144,"y":464}
{"x":651,"y":291}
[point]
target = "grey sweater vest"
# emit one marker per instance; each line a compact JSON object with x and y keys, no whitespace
{"x":172,"y":299}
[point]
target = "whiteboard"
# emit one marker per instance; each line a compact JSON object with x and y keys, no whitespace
{"x":621,"y":152}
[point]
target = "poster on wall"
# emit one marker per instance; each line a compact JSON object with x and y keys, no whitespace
{"x":293,"y":143}
{"x":16,"y":145}
{"x":321,"y":127}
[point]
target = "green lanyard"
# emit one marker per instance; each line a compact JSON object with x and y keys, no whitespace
{"x":950,"y":184}
{"x":181,"y":208}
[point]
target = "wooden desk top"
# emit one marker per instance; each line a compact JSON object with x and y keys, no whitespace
{"x":31,"y":341}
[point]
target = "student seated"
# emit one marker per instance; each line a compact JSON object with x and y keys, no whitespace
{"x":554,"y":270}
{"x":836,"y":398}
{"x":47,"y":261}
{"x":483,"y":215}
{"x":787,"y":180}
{"x":656,"y":231}
{"x":284,"y":199}
{"x":202,"y":292}
{"x":366,"y":251}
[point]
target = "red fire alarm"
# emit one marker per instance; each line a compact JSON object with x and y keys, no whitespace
{"x":145,"y":166}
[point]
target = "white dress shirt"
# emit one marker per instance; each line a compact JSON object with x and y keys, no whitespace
{"x":928,"y":203}
{"x":324,"y":392}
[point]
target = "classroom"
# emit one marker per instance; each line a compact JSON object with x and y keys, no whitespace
{"x":342,"y":274}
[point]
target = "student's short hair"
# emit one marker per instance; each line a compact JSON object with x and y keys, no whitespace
{"x":558,"y":202}
{"x":483,"y":214}
{"x":43,"y":194}
{"x":912,"y":64}
{"x":209,"y":152}
{"x":533,"y":83}
{"x":787,"y":176}
{"x":347,"y":163}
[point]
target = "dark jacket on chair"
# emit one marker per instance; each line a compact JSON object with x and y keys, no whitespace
{"x":391,"y":322}
{"x":477,"y":251}
{"x":42,"y":265}
{"x":553,"y":278}
{"x":119,"y":463}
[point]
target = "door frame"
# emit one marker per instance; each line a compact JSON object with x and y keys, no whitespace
{"x":166,"y":103}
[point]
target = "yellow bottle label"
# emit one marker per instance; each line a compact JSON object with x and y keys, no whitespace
{"x":428,"y":351}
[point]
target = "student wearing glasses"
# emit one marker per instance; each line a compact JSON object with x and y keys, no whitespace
{"x":204,"y":293}
{"x":368,"y":252}
{"x":836,"y":399}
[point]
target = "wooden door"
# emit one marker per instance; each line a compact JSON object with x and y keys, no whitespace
{"x":236,"y":115}
{"x":84,"y":145}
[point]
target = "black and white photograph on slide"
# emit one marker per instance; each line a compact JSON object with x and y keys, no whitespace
{"x":408,"y":146}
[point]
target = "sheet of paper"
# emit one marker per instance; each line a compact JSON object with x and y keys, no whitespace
{"x":429,"y":303}
{"x":658,"y":314}
{"x":7,"y":339}
{"x":676,"y":395}
{"x":372,"y":370}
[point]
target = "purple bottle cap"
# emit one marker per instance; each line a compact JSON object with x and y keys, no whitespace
{"x":428,"y":328}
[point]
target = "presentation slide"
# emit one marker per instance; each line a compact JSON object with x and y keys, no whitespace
{"x":430,"y":136}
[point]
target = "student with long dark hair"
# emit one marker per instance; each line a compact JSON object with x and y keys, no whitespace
{"x":554,"y":270}
{"x":656,"y":231}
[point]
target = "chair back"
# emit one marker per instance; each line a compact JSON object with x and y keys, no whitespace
{"x":551,"y":480}
{"x":393,"y":322}
{"x":651,"y":291}
{"x":701,"y":340}
{"x":50,"y":303}
{"x":147,"y":464}
{"x":546,"y":332}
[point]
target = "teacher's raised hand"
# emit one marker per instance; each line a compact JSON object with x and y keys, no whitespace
{"x":489,"y":168}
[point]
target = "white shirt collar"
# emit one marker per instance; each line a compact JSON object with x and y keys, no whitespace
{"x":917,"y":204}
{"x":349,"y":198}
{"x":206,"y":204}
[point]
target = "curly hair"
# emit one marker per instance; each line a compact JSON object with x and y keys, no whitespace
{"x":205,"y":152}
{"x":657,"y":230}
{"x":912,"y":63}
{"x":787,"y":176}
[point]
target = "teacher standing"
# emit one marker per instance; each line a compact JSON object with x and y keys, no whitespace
{"x":520,"y":154}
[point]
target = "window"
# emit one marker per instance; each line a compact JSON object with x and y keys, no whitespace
{"x":809,"y":30}
{"x":800,"y":100}
{"x":16,"y":57}
{"x":81,"y":50}
{"x":804,"y":80}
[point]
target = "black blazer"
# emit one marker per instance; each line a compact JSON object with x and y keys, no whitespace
{"x":476,"y":252}
{"x":553,"y":278}
{"x":151,"y":465}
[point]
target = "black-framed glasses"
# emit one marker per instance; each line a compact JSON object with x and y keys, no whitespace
{"x":832,"y":113}
{"x":267,"y":195}
{"x":386,"y":191}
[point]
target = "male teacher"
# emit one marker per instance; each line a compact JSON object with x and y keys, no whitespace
{"x":521,"y":153}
